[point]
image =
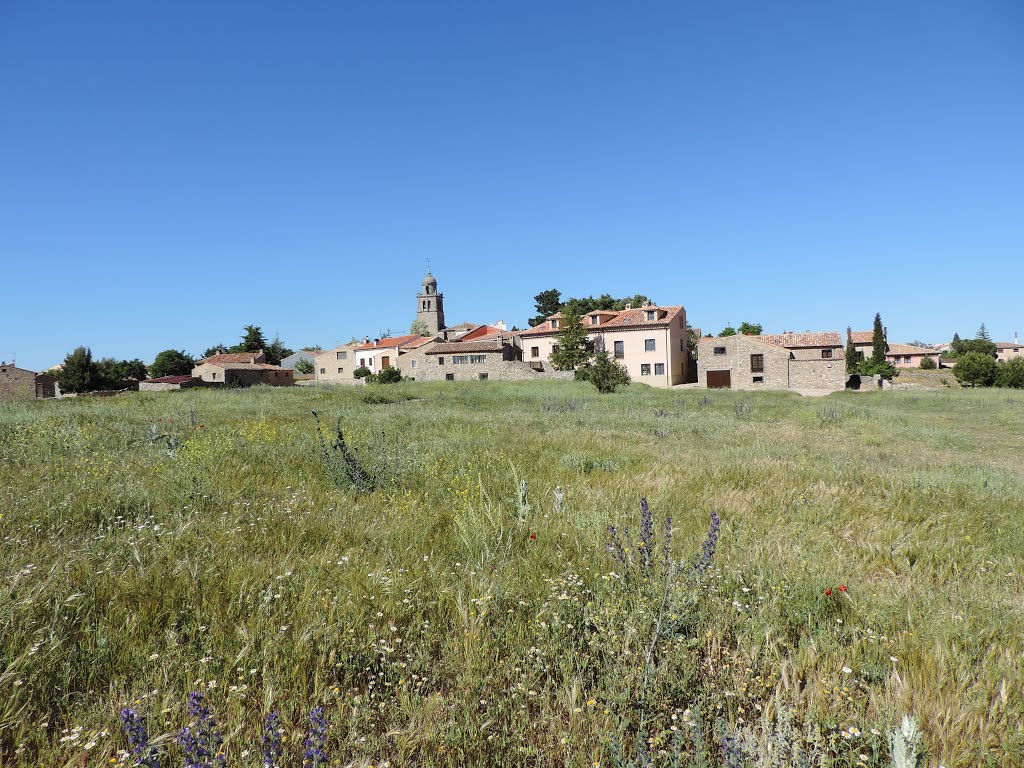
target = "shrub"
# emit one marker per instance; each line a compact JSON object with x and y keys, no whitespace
{"x":304,"y":366}
{"x":362,"y":372}
{"x":976,"y":369}
{"x":388,"y":376}
{"x":1010,"y":374}
{"x":928,"y":364}
{"x":606,"y":374}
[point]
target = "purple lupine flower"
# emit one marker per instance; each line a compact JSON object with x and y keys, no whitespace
{"x":666,"y":545}
{"x":731,"y":755}
{"x":200,"y":740}
{"x":707,"y":550}
{"x":315,"y":755}
{"x":615,"y":546}
{"x":143,"y":752}
{"x":646,"y":536}
{"x":272,"y":752}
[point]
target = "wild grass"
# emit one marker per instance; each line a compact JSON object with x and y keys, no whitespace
{"x":468,"y":611}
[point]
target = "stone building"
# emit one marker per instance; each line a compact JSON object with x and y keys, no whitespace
{"x":242,"y":369}
{"x":430,"y":306}
{"x":336,"y":366}
{"x":649,"y":341}
{"x":781,"y":361}
{"x":22,"y":384}
{"x":484,"y":354}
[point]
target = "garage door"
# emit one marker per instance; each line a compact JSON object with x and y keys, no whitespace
{"x":719,"y":380}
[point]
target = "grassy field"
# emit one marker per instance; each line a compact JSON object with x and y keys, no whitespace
{"x":467,"y":610}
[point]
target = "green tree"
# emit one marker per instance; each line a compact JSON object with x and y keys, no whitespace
{"x":975,"y":369}
{"x":276,"y":351}
{"x":927,"y":363}
{"x":983,"y":334}
{"x":253,"y":340}
{"x":546,"y":303}
{"x":639,"y":300}
{"x":878,"y":343}
{"x":80,"y":373}
{"x":216,"y":349}
{"x":1010,"y":373}
{"x":171,"y":362}
{"x":851,"y":355}
{"x":727,"y":331}
{"x":390,"y":375}
{"x":362,"y":372}
{"x":304,"y":366}
{"x":574,"y":347}
{"x":980,"y":346}
{"x":751,"y":329}
{"x":419,"y":328}
{"x":606,"y":374}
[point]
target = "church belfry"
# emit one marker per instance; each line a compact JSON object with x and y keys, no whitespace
{"x":430,"y":305}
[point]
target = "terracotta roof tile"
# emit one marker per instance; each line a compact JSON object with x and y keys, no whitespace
{"x":621,"y":319}
{"x":389,"y":343}
{"x":910,"y":349}
{"x":793,"y":340}
{"x":494,"y":344}
{"x":863,"y":337}
{"x":234,"y":357}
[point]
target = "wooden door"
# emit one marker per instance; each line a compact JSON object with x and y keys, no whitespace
{"x":719,"y":379}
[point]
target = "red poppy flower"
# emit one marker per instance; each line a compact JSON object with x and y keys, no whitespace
{"x":842,"y":587}
{"x":828,"y":591}
{"x":203,"y":425}
{"x":533,"y":537}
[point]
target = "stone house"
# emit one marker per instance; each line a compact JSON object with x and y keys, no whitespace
{"x":242,"y":369}
{"x":489,"y":357}
{"x":864,"y":342}
{"x":336,"y":366}
{"x":781,"y":361}
{"x":414,"y":356}
{"x":383,"y":353}
{"x":649,"y":341}
{"x":22,"y":384}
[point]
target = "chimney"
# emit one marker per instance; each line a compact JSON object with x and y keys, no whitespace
{"x":1015,"y":342}
{"x":885,"y":332}
{"x":376,"y":342}
{"x":366,"y":340}
{"x":629,"y":305}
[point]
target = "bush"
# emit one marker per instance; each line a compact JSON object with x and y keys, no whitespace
{"x":928,"y":364}
{"x":976,"y":369}
{"x":304,"y":367}
{"x":1010,"y":374}
{"x":387,"y":376}
{"x":362,"y":372}
{"x":607,"y":375}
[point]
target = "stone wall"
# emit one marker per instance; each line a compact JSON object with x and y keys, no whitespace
{"x":17,"y":383}
{"x":817,"y":374}
{"x":494,"y":367}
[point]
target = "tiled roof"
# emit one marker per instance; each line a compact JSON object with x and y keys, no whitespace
{"x":1007,"y":345}
{"x":621,"y":320}
{"x":389,"y":343}
{"x":466,"y":347}
{"x":234,"y":357}
{"x":794,"y":340}
{"x":910,"y":349}
{"x":481,"y":331}
{"x":417,"y":343}
{"x":249,"y":367}
{"x":863,"y":337}
{"x":461,"y":327}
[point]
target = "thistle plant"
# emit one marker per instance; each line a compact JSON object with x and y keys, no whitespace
{"x":200,"y":740}
{"x":315,"y":755}
{"x":905,"y":744}
{"x":143,"y":753}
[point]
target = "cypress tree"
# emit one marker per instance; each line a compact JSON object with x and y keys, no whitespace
{"x":878,"y":342}
{"x":851,"y":352}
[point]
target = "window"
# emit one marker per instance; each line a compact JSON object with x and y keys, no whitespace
{"x":651,"y":315}
{"x":343,"y":355}
{"x":362,"y":362}
{"x":449,"y":377}
{"x":826,"y":354}
{"x":323,"y":370}
{"x":659,"y":369}
{"x":682,"y":322}
{"x":620,"y":349}
{"x":682,"y":345}
{"x":460,"y":359}
{"x":648,"y":345}
{"x":413,"y":362}
{"x":478,"y":358}
{"x":759,"y":379}
{"x":719,"y":350}
{"x":906,"y":359}
{"x":645,"y":369}
{"x":440,"y":361}
{"x":483,"y":376}
{"x":214,"y":375}
{"x":554,"y":323}
{"x":534,"y":351}
{"x":341,"y":370}
{"x":554,"y":349}
{"x":594,"y":319}
{"x":757,"y":363}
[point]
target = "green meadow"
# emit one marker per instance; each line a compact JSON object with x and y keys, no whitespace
{"x":457,"y":603}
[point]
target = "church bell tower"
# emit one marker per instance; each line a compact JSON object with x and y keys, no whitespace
{"x":430,"y":305}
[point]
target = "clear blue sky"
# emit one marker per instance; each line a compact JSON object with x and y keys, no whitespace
{"x":170,"y":172}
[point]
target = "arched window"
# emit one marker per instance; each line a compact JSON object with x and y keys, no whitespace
{"x":428,"y":303}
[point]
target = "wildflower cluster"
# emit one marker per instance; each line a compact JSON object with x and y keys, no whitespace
{"x":200,"y":740}
{"x":143,"y":753}
{"x":315,"y":755}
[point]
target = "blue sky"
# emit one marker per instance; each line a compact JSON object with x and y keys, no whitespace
{"x":170,"y":172}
